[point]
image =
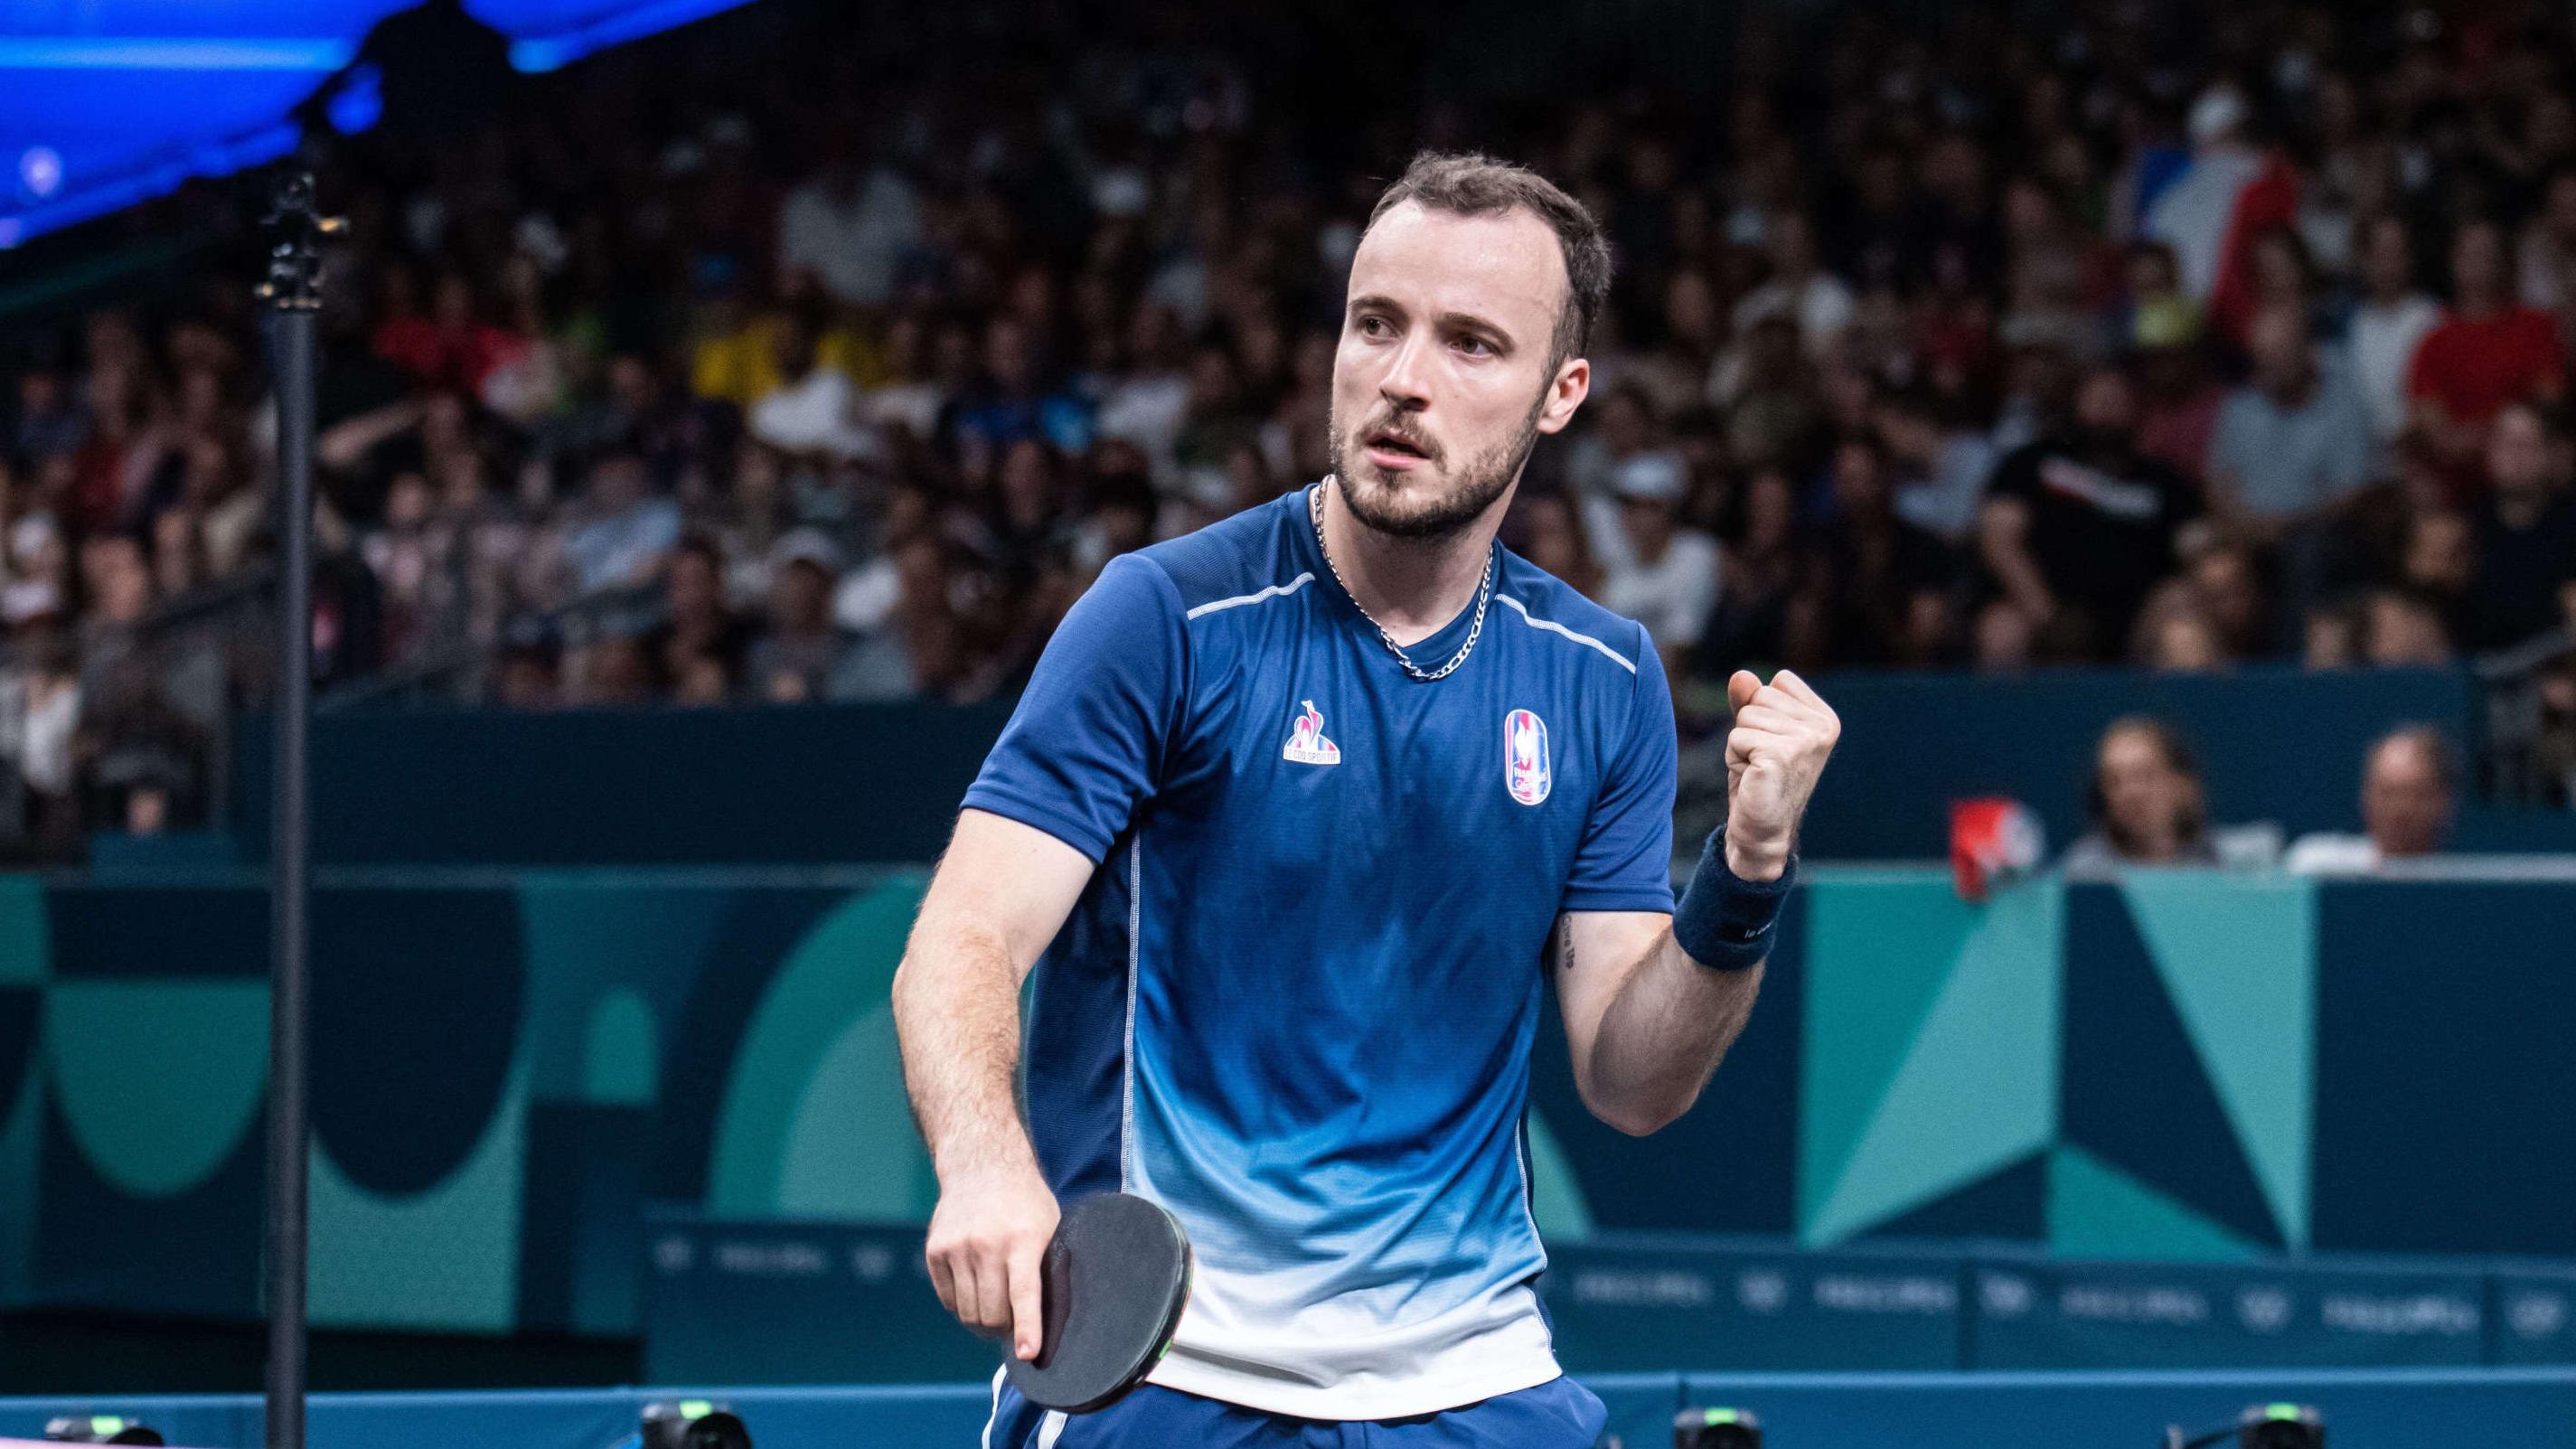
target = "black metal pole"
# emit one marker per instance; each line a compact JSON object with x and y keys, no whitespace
{"x":292,"y":340}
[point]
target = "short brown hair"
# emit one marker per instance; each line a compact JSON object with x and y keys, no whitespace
{"x":1473,"y":184}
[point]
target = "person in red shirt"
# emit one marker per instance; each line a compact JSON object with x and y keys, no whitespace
{"x":2489,"y":350}
{"x":452,"y":347}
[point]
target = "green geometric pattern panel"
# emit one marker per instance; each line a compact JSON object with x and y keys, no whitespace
{"x":157,"y":1079}
{"x":2097,"y":1211}
{"x":24,"y":951}
{"x":1879,"y":950}
{"x":2238,"y":958}
{"x":1974,"y":1088}
{"x":447,"y":1257}
{"x":591,"y":940}
{"x":620,"y":1056}
{"x":847,"y":1153}
{"x":722,"y":1040}
{"x":837,"y":1136}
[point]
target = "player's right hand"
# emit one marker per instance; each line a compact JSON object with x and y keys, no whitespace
{"x":988,"y":1238}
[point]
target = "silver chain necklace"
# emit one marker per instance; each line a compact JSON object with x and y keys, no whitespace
{"x":1484,"y":596}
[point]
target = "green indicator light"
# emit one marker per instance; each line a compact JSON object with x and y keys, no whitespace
{"x":1723,"y":1416}
{"x":106,"y":1424}
{"x":2282,"y":1413}
{"x":696,"y":1408}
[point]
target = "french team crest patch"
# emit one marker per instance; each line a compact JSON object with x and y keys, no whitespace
{"x":1525,"y":768}
{"x":1306,"y":743}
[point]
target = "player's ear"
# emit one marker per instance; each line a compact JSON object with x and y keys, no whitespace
{"x":1565,"y":392}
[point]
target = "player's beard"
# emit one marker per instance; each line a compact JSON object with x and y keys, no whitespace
{"x":1398,"y":511}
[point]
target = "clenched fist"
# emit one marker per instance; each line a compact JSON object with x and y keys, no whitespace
{"x":1774,"y":753}
{"x":988,"y":1238}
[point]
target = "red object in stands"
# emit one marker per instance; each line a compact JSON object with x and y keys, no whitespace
{"x":1992,"y":840}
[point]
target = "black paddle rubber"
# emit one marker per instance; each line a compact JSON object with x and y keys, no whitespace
{"x":1117,"y":1275}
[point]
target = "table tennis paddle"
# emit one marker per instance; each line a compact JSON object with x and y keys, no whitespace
{"x":1116,"y":1276}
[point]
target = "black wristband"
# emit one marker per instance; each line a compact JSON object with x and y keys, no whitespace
{"x":1725,"y":921}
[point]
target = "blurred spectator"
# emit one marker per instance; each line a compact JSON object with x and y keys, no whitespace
{"x":1014,"y":399}
{"x":2056,"y":277}
{"x":1769,"y":394}
{"x":2409,"y":784}
{"x":2332,"y":638}
{"x":48,"y":421}
{"x":348,"y":614}
{"x":2403,"y":630}
{"x":794,"y":655}
{"x":2205,"y":617}
{"x":1624,"y":429}
{"x":910,"y":649}
{"x":2546,"y":260}
{"x":1551,"y":536}
{"x":2078,"y":527}
{"x":2160,"y":312}
{"x":452,"y":346}
{"x":2526,"y":531}
{"x":2440,"y":564}
{"x":2489,"y":350}
{"x":2179,"y":639}
{"x":1798,"y":288}
{"x":2226,"y":587}
{"x":811,"y":408}
{"x":2179,"y":400}
{"x":1880,"y":586}
{"x":699,"y":646}
{"x":143,"y":746}
{"x":401,"y":553}
{"x":2004,"y":640}
{"x":2291,"y":444}
{"x":634,"y":412}
{"x":2292,"y":447}
{"x":1939,"y":468}
{"x":39,"y":573}
{"x":852,"y":225}
{"x":1760,"y":572}
{"x":2391,"y":321}
{"x":42,"y":697}
{"x":626,"y":533}
{"x":1147,"y":397}
{"x":1121,"y":520}
{"x":528,"y":676}
{"x":612,"y":671}
{"x":1653,"y":570}
{"x":2145,"y":804}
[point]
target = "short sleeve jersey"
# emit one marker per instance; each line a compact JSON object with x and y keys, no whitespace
{"x":1295,"y":1003}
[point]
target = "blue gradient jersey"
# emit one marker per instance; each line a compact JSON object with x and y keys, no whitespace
{"x":1295,"y":1003}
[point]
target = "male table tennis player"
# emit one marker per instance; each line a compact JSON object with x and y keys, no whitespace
{"x":1297,"y":817}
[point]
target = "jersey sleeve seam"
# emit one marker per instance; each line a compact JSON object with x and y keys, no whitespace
{"x":1637,"y":689}
{"x":1177,"y":624}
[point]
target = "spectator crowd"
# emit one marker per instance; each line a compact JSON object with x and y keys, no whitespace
{"x":829,"y":357}
{"x":2147,"y":805}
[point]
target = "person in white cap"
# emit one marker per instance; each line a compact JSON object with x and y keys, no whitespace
{"x":1655,"y":571}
